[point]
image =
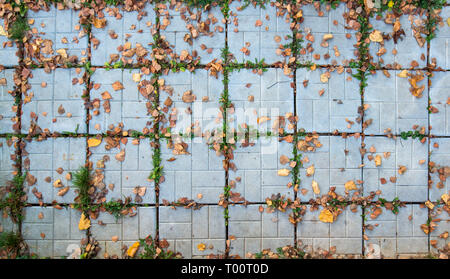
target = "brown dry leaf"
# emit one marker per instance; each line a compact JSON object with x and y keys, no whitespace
{"x":310,"y":170}
{"x":284,"y":159}
{"x":3,"y":32}
{"x":115,"y":238}
{"x":63,"y":191}
{"x":140,"y":190}
{"x":326,"y":216}
{"x":120,"y":156}
{"x":62,"y":52}
{"x":283,"y":172}
{"x":401,"y":169}
{"x":315,"y":187}
{"x":258,"y":23}
{"x":376,"y":36}
{"x":350,"y":185}
{"x":93,"y":142}
{"x":99,"y":23}
{"x":61,"y":109}
{"x":324,"y":77}
{"x":188,"y":97}
{"x":84,"y":223}
{"x":117,"y":86}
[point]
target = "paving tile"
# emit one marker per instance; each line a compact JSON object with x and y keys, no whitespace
{"x":127,"y":105}
{"x":439,"y":95}
{"x":336,"y":162}
{"x":392,"y":105}
{"x":344,"y":233}
{"x":439,"y":233}
{"x":208,"y":39}
{"x":187,"y":229}
{"x":410,"y":186}
{"x":338,"y":50}
{"x":43,"y":159}
{"x":59,"y":29}
{"x":439,"y":46}
{"x":439,"y":154}
{"x":8,"y":51}
{"x":406,"y":50}
{"x":247,"y":41}
{"x":53,"y":93}
{"x":123,"y":28}
{"x":255,"y":231}
{"x":7,"y":114}
{"x":335,"y":109}
{"x":49,"y":231}
{"x":398,"y":234}
{"x":272,"y":98}
{"x":257,"y":169}
{"x":7,"y":150}
{"x":124,"y":176}
{"x":203,"y":111}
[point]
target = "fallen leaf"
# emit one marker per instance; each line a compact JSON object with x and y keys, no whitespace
{"x":376,"y":36}
{"x":310,"y":170}
{"x":326,"y":216}
{"x":350,"y":185}
{"x":84,"y":223}
{"x":283,"y":172}
{"x":117,"y":86}
{"x":136,"y":77}
{"x":93,"y":142}
{"x":120,"y":156}
{"x":377,"y":160}
{"x":315,"y":187}
{"x":284,"y":159}
{"x":201,"y":247}
{"x":99,"y":23}
{"x":133,"y":249}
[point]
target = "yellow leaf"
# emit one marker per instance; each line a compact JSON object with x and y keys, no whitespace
{"x":283,"y":172}
{"x":315,"y":187}
{"x":350,"y":185}
{"x":376,"y":36}
{"x":445,"y":198}
{"x":133,"y":249}
{"x":429,"y":204}
{"x":3,"y":32}
{"x":326,"y":216}
{"x":62,"y":52}
{"x":201,"y":247}
{"x":136,"y":77}
{"x":84,"y":223}
{"x":99,"y":23}
{"x":93,"y":142}
{"x":448,"y":21}
{"x":377,"y":160}
{"x":403,"y":74}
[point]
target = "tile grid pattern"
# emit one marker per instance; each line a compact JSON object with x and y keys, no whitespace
{"x":295,"y":90}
